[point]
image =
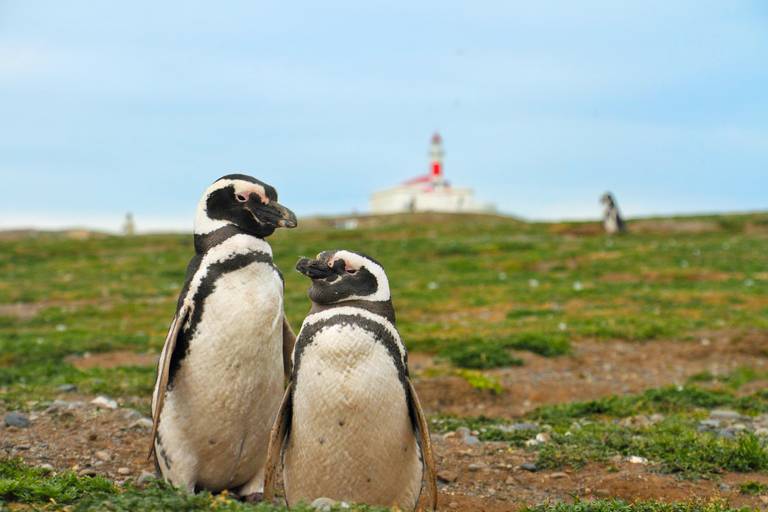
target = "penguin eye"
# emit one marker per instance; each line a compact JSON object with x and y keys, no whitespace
{"x":241,"y":198}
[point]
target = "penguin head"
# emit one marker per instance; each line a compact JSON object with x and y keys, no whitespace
{"x":339,"y":276}
{"x":245,"y":202}
{"x":607,"y":200}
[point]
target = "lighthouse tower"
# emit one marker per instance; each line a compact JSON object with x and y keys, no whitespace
{"x":430,"y":192}
{"x":436,"y":154}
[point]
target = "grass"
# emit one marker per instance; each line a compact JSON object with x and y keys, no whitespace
{"x":582,"y":432}
{"x":640,"y":506}
{"x":477,"y":290}
{"x":25,"y":485}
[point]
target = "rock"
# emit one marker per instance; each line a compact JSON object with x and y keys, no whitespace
{"x":709,"y":424}
{"x":476,"y":466}
{"x":724,"y":414}
{"x":543,"y":437}
{"x":145,"y":477}
{"x":103,"y":455}
{"x":529,"y":466}
{"x":323,"y":504}
{"x":16,"y":419}
{"x":523,"y":426}
{"x":46,"y":467}
{"x":447,"y":476}
{"x":510,"y":481}
{"x":63,"y":405}
{"x":724,"y":487}
{"x":636,"y":459}
{"x":131,"y":414}
{"x":104,"y":402}
{"x":123,"y":471}
{"x":557,"y":475}
{"x":87,"y":472}
{"x":142,"y":423}
{"x":762,"y":432}
{"x":344,"y":504}
{"x":453,"y":504}
{"x":67,"y":388}
{"x":471,"y":440}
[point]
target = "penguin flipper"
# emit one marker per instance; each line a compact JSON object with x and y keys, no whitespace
{"x":277,"y":437}
{"x":289,"y":340}
{"x":163,"y":371}
{"x":426,"y":449}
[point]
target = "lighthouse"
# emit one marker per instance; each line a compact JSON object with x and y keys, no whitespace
{"x":430,"y":192}
{"x":436,"y":155}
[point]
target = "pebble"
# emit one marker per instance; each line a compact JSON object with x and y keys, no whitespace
{"x":63,"y":405}
{"x":123,"y":471}
{"x":510,"y":481}
{"x":475,"y":466}
{"x":16,"y":419}
{"x":529,"y":466}
{"x":557,"y":475}
{"x":636,"y":459}
{"x":67,"y":388}
{"x":131,"y":414}
{"x":724,"y":414}
{"x":145,"y":477}
{"x":103,"y":455}
{"x":323,"y":504}
{"x":104,"y":402}
{"x":48,"y":468}
{"x":447,"y":476}
{"x":87,"y":472}
{"x":142,"y":423}
{"x":453,"y":504}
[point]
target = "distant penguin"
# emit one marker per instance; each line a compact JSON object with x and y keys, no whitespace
{"x":350,"y":426}
{"x":222,"y":369}
{"x":612,"y":220}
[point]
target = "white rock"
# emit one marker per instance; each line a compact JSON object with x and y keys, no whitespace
{"x":635,"y":459}
{"x":323,"y":504}
{"x":104,"y":402}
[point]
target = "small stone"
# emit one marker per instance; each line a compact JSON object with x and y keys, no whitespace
{"x":16,"y":419}
{"x":131,"y":414}
{"x":543,"y":437}
{"x":529,"y":466}
{"x":22,"y":447}
{"x":762,"y":432}
{"x":447,"y":476}
{"x":724,"y":414}
{"x":92,"y":436}
{"x":103,"y":455}
{"x":709,"y":424}
{"x":558,"y":475}
{"x":724,"y":487}
{"x":344,"y":504}
{"x":635,"y":459}
{"x":510,"y":481}
{"x":453,"y":504}
{"x":123,"y":471}
{"x":471,"y":440}
{"x":66,"y":388}
{"x":476,"y":466}
{"x":524,"y":426}
{"x":87,"y":472}
{"x":142,"y":423}
{"x":323,"y":504}
{"x":104,"y":402}
{"x":145,"y":477}
{"x":48,"y":468}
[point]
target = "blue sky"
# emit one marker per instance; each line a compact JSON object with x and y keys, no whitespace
{"x":109,"y":107}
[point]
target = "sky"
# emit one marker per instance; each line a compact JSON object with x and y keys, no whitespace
{"x":109,"y":107}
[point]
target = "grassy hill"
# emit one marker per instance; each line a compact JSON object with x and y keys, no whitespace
{"x":468,"y":288}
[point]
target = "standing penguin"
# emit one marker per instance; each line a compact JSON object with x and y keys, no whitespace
{"x":612,"y":220}
{"x":222,"y":369}
{"x":350,"y":426}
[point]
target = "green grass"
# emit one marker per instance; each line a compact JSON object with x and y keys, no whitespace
{"x":640,"y":506}
{"x":582,"y":432}
{"x":25,"y":485}
{"x":753,"y":488}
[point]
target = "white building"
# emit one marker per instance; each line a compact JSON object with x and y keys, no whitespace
{"x":428,"y":193}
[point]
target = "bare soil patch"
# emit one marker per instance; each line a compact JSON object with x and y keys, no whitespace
{"x":596,"y":369}
{"x":112,"y":359}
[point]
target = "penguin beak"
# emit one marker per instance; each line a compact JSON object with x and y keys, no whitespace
{"x":314,"y":269}
{"x":287,"y":219}
{"x":272,"y":213}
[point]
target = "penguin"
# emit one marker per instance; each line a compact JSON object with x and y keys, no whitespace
{"x":612,"y":220}
{"x":226,"y":357}
{"x":350,"y":425}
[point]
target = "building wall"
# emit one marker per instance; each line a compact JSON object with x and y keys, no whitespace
{"x":410,"y":199}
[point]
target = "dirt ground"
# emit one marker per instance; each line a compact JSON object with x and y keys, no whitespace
{"x":487,"y":476}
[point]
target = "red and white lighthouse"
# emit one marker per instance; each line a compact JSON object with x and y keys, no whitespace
{"x":436,"y":154}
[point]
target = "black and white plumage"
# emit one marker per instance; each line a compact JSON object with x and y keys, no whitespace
{"x":350,"y":426}
{"x":222,"y":369}
{"x":612,"y":219}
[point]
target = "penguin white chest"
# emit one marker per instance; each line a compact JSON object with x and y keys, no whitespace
{"x":351,"y":436}
{"x":227,"y":389}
